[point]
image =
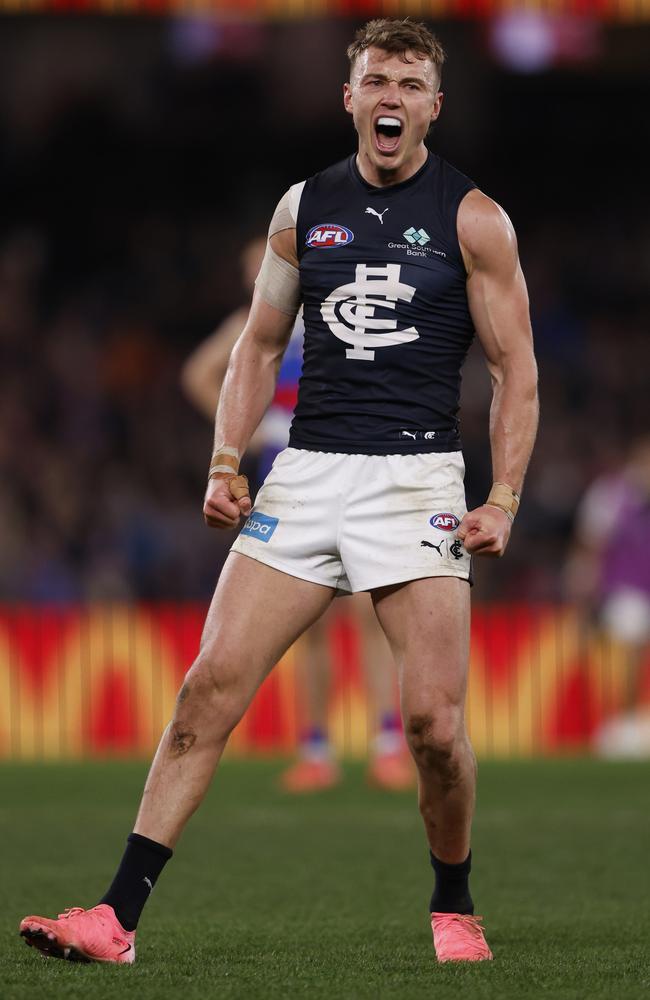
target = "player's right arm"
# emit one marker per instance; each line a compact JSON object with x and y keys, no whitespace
{"x":249,"y":383}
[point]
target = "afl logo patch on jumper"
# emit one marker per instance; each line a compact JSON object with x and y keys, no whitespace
{"x":328,"y":235}
{"x":260,"y":526}
{"x":444,"y":522}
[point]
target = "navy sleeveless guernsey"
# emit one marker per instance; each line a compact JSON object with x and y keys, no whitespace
{"x":387,"y":324}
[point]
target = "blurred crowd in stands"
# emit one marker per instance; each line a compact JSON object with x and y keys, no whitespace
{"x":102,"y":459}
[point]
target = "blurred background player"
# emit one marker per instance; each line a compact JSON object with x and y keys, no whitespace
{"x":390,"y":765}
{"x":608,"y":575}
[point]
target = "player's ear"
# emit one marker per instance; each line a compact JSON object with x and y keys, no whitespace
{"x":437,"y":106}
{"x":347,"y":98}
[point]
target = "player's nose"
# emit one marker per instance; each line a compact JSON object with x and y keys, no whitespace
{"x":392,"y":95}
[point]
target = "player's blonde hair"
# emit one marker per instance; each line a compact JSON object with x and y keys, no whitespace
{"x":398,"y":36}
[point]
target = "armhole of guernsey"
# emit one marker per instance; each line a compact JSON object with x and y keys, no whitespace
{"x":295,"y":195}
{"x":299,"y":199}
{"x":451,"y":186}
{"x":453,"y":218}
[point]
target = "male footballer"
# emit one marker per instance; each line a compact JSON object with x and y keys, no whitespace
{"x":398,"y":259}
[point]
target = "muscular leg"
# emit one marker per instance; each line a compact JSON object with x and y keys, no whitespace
{"x":256,"y":613}
{"x":427,"y":625}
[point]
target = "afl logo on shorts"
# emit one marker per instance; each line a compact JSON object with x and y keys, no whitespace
{"x":444,"y":522}
{"x":328,"y":235}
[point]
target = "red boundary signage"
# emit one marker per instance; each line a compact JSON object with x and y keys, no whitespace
{"x":103,"y":681}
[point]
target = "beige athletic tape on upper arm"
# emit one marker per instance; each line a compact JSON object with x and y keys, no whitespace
{"x":278,"y":283}
{"x":295,"y":194}
{"x":282,"y":217}
{"x":286,"y":213}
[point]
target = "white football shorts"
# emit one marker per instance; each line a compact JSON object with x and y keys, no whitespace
{"x":356,"y":522}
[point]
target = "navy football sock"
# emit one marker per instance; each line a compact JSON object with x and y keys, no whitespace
{"x":451,"y":893}
{"x":141,"y":864}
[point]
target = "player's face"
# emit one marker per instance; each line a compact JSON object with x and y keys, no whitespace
{"x":393,"y":103}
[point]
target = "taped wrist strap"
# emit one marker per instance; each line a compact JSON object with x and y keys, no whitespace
{"x":224,"y":460}
{"x":505,"y":498}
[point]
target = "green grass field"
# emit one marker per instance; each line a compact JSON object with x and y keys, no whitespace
{"x":326,"y":897}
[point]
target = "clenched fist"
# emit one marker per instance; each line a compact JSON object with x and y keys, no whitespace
{"x":226,"y":500}
{"x":485,"y":531}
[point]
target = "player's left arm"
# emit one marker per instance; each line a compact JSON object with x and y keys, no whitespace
{"x":498,"y":303}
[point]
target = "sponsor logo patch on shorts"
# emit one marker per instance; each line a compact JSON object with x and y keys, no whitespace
{"x":444,"y":522}
{"x":260,"y":526}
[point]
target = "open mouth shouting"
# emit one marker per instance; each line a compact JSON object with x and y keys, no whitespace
{"x":388,"y":134}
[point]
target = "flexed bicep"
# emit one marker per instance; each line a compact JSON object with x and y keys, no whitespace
{"x":496,"y":288}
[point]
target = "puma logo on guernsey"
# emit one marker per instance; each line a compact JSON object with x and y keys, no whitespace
{"x":380,"y":215}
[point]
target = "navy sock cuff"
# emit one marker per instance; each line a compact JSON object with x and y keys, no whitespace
{"x":442,"y":867}
{"x":150,"y":845}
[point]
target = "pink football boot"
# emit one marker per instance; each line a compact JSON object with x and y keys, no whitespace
{"x":81,"y":935}
{"x":459,"y":938}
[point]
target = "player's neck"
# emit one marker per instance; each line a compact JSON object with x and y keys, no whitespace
{"x":379,"y":177}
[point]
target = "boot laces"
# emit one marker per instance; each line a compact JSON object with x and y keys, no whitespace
{"x":446,"y":921}
{"x":72,"y":911}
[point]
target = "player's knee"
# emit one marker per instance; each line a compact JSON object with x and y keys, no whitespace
{"x":435,"y":739}
{"x":211,"y":696}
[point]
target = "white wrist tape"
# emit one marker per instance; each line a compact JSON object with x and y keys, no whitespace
{"x":505,"y":498}
{"x":224,"y":459}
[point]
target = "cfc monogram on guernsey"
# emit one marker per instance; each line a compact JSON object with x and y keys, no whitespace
{"x":350,"y":310}
{"x":387,"y":324}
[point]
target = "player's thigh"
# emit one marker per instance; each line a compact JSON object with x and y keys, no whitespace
{"x":427,"y":625}
{"x":256,"y":614}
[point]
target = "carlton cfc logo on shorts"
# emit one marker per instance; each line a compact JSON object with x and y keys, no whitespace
{"x":444,"y":522}
{"x":328,"y":235}
{"x":260,"y":526}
